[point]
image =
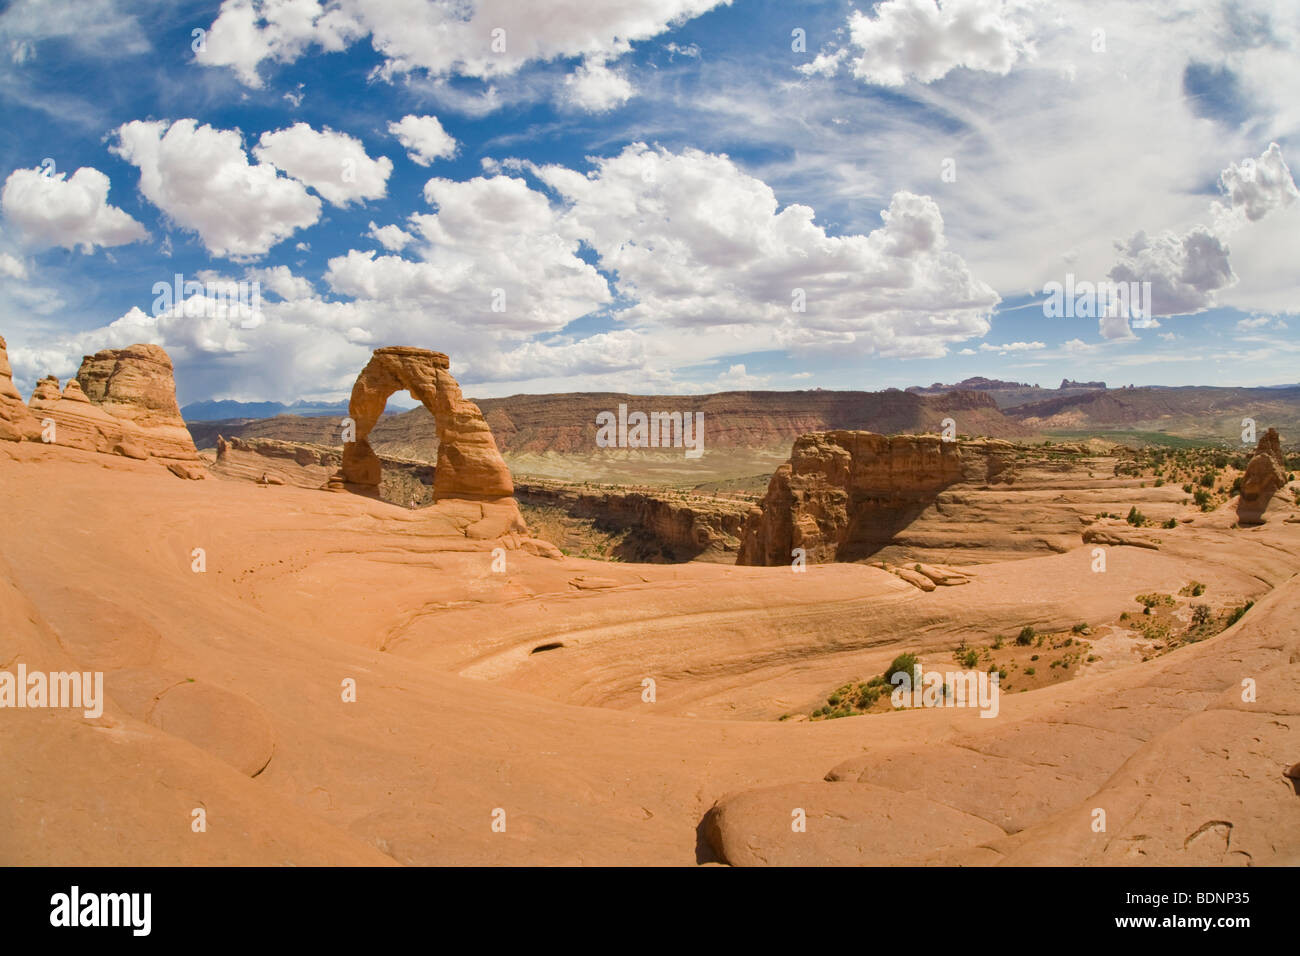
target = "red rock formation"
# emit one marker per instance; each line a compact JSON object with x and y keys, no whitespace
{"x":469,"y":464}
{"x":77,"y":422}
{"x":123,"y":402}
{"x":843,"y":494}
{"x":1265,"y":474}
{"x":136,"y":385}
{"x":16,"y":421}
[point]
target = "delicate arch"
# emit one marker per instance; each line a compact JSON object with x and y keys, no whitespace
{"x":469,"y":464}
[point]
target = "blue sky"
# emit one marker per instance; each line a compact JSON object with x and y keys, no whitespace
{"x":634,"y":195}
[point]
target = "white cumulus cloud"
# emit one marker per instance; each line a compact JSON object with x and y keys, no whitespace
{"x":202,"y":179}
{"x":72,"y":212}
{"x":595,"y":88}
{"x":392,"y":238}
{"x":926,"y":40}
{"x":423,"y":138}
{"x":475,"y":38}
{"x":696,"y":241}
{"x":333,"y":164}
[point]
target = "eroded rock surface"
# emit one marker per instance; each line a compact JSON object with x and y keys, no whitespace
{"x":123,"y":402}
{"x":16,"y":421}
{"x":843,"y":494}
{"x":1265,"y":474}
{"x":469,"y":464}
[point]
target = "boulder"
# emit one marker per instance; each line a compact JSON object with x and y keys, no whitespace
{"x":1265,"y":474}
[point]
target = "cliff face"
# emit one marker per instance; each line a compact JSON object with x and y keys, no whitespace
{"x":844,"y":494}
{"x":706,"y":529}
{"x":266,"y":460}
{"x":566,"y":423}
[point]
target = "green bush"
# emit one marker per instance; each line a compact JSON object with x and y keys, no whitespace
{"x":903,"y":662}
{"x":1236,"y":615}
{"x":1025,"y":636}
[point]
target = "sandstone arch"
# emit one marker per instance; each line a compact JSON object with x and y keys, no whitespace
{"x":469,"y":464}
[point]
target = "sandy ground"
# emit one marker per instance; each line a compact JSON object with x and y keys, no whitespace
{"x":226,"y":695}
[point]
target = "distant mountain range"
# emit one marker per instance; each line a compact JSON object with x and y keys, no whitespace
{"x":210,"y":411}
{"x":565,"y":423}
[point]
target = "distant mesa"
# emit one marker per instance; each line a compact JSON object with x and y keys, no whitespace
{"x":122,"y":402}
{"x":977,"y":383}
{"x":1265,"y":474}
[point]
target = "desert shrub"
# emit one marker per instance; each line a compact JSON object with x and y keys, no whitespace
{"x":1160,"y":482}
{"x":1171,"y":523}
{"x":1200,"y":614}
{"x":1207,"y":480}
{"x":970,"y":659}
{"x":1237,"y":613}
{"x":1080,"y":628}
{"x":1136,"y":518}
{"x":868,"y":694}
{"x":903,"y":662}
{"x":1030,"y":672}
{"x":1025,"y":636}
{"x":1187,"y":488}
